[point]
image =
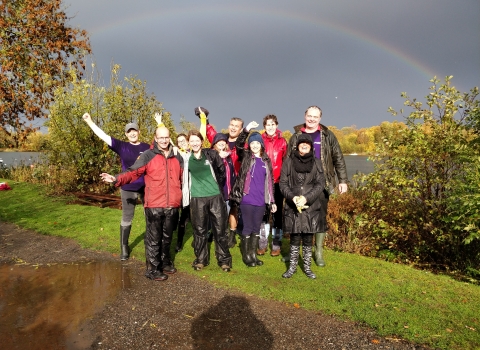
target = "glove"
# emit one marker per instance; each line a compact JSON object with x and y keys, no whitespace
{"x":200,"y":110}
{"x":300,"y":202}
{"x":158,"y":119}
{"x":251,"y":126}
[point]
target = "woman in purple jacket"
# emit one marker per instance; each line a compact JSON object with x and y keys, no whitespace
{"x":253,"y":189}
{"x":128,"y":153}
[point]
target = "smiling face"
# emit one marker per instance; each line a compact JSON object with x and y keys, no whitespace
{"x":255,"y":147}
{"x":304,"y":148}
{"x":221,"y":146}
{"x":270,"y":127}
{"x":132,"y":135}
{"x":312,"y":119}
{"x":162,"y":138}
{"x":234,"y":129}
{"x":182,"y":142}
{"x":195,"y":143}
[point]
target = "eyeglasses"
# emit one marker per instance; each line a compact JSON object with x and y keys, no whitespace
{"x":314,"y":116}
{"x":163,"y":138}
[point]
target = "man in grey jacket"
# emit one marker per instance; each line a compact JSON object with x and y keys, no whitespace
{"x":326,"y":148}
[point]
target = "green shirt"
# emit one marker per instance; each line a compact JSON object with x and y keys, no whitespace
{"x":203,"y":183}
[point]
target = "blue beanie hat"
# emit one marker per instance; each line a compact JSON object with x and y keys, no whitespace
{"x":219,"y":137}
{"x":255,"y":136}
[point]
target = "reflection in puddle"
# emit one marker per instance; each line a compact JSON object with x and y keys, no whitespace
{"x":44,"y":307}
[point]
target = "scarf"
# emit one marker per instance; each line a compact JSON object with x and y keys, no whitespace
{"x":303,"y":164}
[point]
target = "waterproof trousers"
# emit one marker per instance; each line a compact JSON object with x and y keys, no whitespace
{"x":161,"y":222}
{"x":184,"y":216}
{"x":205,"y":210}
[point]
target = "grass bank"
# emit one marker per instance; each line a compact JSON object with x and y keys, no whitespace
{"x":396,"y":300}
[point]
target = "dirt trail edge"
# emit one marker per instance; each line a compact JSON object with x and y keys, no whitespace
{"x":187,"y":312}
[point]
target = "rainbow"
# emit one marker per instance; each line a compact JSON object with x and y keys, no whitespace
{"x":193,"y":13}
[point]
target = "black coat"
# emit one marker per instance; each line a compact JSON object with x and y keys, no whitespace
{"x":310,"y":219}
{"x":332,"y":154}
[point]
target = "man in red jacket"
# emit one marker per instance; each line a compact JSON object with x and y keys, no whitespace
{"x":163,"y":197}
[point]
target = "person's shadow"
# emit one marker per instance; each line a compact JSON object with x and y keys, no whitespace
{"x":230,"y":324}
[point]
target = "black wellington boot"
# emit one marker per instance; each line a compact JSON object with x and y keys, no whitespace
{"x":124,"y":235}
{"x":232,"y":241}
{"x":254,"y":238}
{"x":244,"y":249}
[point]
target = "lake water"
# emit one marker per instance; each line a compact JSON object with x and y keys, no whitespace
{"x":19,"y":158}
{"x":358,"y":164}
{"x":355,"y":164}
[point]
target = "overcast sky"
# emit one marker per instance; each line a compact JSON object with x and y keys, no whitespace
{"x":251,"y":58}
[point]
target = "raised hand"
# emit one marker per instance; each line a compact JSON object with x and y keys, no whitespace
{"x":158,"y":118}
{"x":251,"y":125}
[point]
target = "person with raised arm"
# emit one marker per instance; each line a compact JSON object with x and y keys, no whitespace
{"x":129,"y":193}
{"x":203,"y":182}
{"x":235,"y":127}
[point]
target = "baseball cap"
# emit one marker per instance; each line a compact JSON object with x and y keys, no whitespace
{"x":131,"y":126}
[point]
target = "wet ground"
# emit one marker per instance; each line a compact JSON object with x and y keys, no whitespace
{"x":45,"y":306}
{"x":56,"y":295}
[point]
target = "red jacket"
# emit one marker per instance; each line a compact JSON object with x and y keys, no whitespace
{"x":211,"y":132}
{"x":163,"y":178}
{"x":276,"y":148}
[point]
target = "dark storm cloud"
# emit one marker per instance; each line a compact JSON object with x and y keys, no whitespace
{"x":351,"y":58}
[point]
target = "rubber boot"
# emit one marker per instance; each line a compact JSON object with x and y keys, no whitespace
{"x":254,"y":238}
{"x":319,"y":239}
{"x":294,"y":255}
{"x":307,"y":262}
{"x":263,"y":242}
{"x":124,"y":235}
{"x":277,"y":235}
{"x":232,"y":241}
{"x":244,"y":249}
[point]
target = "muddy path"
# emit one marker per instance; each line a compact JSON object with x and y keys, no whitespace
{"x":57,"y":295}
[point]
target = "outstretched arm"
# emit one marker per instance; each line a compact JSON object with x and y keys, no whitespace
{"x":107,"y":178}
{"x":99,"y":132}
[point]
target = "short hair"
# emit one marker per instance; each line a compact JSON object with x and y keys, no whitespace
{"x":195,"y":133}
{"x":237,"y":120}
{"x":316,"y":107}
{"x":268,"y":117}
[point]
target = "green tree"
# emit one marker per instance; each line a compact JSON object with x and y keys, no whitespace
{"x":414,"y":199}
{"x":36,"y":47}
{"x":76,"y":153}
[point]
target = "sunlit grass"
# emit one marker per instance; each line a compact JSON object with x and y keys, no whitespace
{"x":396,"y":300}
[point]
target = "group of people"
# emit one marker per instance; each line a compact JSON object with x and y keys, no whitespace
{"x":229,"y":189}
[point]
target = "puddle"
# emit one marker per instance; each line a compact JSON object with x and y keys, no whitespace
{"x":47,"y":306}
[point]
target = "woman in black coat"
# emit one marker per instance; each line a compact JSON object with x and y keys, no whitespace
{"x":301,"y":183}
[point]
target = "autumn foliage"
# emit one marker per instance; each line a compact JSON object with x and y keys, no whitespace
{"x":36,"y":47}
